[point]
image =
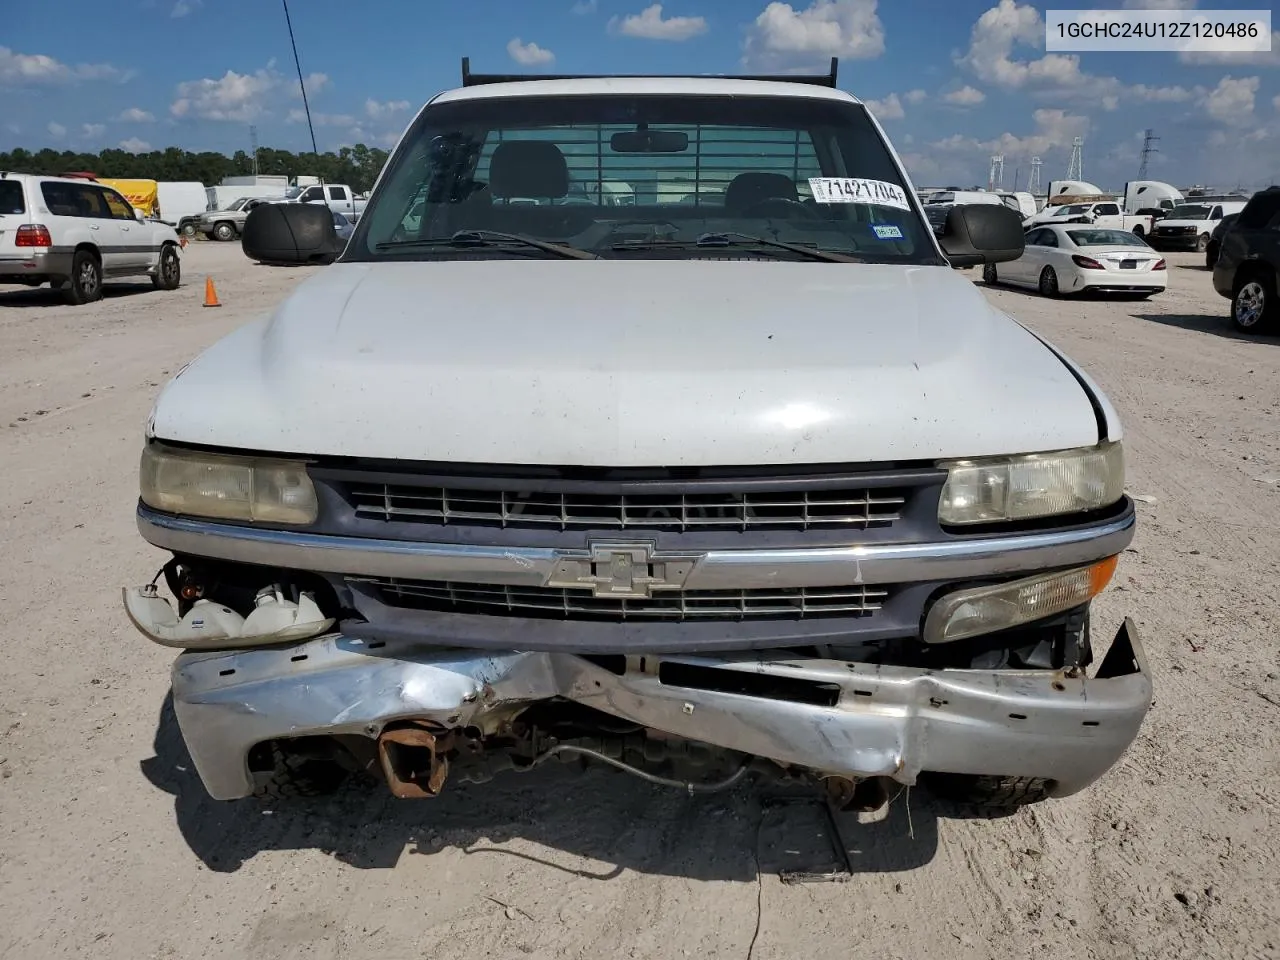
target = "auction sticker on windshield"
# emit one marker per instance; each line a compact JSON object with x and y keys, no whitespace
{"x":858,"y":190}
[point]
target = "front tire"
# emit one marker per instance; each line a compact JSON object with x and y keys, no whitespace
{"x":989,"y":276}
{"x":1048,"y":282}
{"x":296,"y":775}
{"x":988,"y":793}
{"x":189,"y":230}
{"x":1253,"y":308}
{"x":1202,"y":243}
{"x":224,"y":232}
{"x":168,"y":269}
{"x":85,"y":285}
{"x":1211,"y":255}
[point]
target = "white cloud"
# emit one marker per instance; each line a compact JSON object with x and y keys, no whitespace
{"x":648,"y":24}
{"x":238,"y":97}
{"x":377,"y":110}
{"x":91,"y":131}
{"x":1159,"y":4}
{"x":890,"y":108}
{"x":584,"y":7}
{"x":316,"y":82}
{"x":966,"y":96}
{"x":322,"y":119}
{"x":56,"y":130}
{"x":529,"y":54}
{"x":782,"y":37}
{"x":1231,"y":101}
{"x":1054,"y":128}
{"x":184,"y":7}
{"x":1260,"y":58}
{"x":1057,"y":76}
{"x":136,"y":115}
{"x":29,"y":69}
{"x":914,"y":96}
{"x":134,"y":145}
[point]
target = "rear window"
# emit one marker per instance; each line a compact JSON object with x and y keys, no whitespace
{"x":12,"y":199}
{"x":1105,"y":238}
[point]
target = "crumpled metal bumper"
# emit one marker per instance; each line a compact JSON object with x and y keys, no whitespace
{"x":835,"y":717}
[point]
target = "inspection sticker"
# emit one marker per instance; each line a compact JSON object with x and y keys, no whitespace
{"x":887,"y":231}
{"x":858,"y":190}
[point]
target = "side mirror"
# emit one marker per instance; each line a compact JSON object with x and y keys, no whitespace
{"x":979,"y":233}
{"x":290,"y":233}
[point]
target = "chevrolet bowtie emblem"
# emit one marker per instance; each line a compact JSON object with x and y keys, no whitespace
{"x":623,"y":569}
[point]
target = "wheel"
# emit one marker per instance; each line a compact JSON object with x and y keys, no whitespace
{"x":1048,"y":282}
{"x":1138,"y":231}
{"x":188,"y":230}
{"x":298,"y":775}
{"x":169,"y":270}
{"x":1253,"y":308}
{"x":86,"y":278}
{"x":1202,"y":243}
{"x":988,"y":793}
{"x":989,"y":276}
{"x":224,"y":231}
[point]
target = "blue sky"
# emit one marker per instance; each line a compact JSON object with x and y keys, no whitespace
{"x":953,"y":81}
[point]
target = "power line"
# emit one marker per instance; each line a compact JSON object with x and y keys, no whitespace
{"x":302,"y":85}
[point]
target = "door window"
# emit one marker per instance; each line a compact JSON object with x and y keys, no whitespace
{"x":1107,"y":210}
{"x":337,"y":193}
{"x":312,"y":193}
{"x":119,"y":207}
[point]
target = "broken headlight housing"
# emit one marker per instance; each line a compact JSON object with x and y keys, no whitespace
{"x":1031,"y":486}
{"x":224,"y":487}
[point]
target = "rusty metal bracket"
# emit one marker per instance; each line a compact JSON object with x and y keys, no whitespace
{"x":413,"y":759}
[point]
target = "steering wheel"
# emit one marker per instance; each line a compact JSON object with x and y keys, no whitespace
{"x":779,"y":207}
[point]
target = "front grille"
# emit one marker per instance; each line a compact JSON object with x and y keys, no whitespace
{"x":804,"y":603}
{"x":856,"y":509}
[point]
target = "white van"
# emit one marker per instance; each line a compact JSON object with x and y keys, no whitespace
{"x":181,"y":203}
{"x":1189,"y":225}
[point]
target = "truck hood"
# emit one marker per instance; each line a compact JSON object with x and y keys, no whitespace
{"x":1184,"y":223}
{"x":630,"y":363}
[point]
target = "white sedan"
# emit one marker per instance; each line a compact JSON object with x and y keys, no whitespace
{"x":1068,"y":258}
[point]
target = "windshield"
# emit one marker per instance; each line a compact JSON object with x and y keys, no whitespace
{"x":1105,"y":238}
{"x":622,"y":175}
{"x":1073,"y":210}
{"x":1190,"y":211}
{"x":293,"y":192}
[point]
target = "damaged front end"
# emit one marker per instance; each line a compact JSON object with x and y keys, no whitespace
{"x":432,"y":629}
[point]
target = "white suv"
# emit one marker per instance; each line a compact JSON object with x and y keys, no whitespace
{"x":74,"y":233}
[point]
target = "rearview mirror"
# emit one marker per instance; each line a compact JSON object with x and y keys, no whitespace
{"x":649,"y":141}
{"x":979,"y":233}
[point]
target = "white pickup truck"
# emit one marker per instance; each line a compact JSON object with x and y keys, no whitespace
{"x":339,"y":197}
{"x":1104,"y":214}
{"x":771,"y":489}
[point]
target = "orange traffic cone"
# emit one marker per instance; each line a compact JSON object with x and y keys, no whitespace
{"x":210,"y":295}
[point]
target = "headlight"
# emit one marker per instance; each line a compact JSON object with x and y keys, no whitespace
{"x":1035,"y":485}
{"x":229,"y":488}
{"x":969,"y":613}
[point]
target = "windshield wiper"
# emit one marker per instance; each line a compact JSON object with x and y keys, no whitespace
{"x":485,"y":238}
{"x":732,"y":238}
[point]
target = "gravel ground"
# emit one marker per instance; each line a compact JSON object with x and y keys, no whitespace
{"x":109,"y":847}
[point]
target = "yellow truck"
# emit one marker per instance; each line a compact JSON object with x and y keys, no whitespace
{"x":142,"y":194}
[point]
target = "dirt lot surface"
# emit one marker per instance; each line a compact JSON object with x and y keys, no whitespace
{"x":109,"y":847}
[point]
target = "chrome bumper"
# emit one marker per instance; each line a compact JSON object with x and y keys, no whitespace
{"x":854,"y":719}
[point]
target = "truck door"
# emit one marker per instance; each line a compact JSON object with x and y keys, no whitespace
{"x":340,"y":201}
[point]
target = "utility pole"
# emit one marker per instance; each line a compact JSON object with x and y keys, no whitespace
{"x":995,"y":177}
{"x":302,"y":86}
{"x":253,"y":140}
{"x":1075,"y":167}
{"x":1148,"y":148}
{"x":1034,"y":186}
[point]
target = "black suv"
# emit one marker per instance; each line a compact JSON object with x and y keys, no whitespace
{"x":1215,"y":240}
{"x":1249,"y":262}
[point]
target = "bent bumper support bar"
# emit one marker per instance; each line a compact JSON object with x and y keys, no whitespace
{"x":834,"y":717}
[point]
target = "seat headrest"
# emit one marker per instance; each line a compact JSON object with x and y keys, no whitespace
{"x":747,"y":189}
{"x":528,"y":168}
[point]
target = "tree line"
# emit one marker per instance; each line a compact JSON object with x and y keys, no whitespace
{"x":358,"y":166}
